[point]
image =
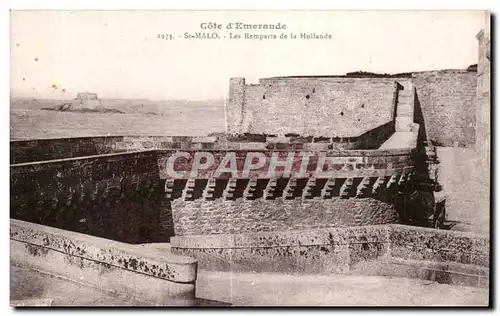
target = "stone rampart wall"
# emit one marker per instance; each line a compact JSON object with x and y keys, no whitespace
{"x":48,"y":149}
{"x":332,"y":107}
{"x":202,"y":217}
{"x":391,"y":250}
{"x":447,"y":101}
{"x":115,"y":196}
{"x":133,"y":271}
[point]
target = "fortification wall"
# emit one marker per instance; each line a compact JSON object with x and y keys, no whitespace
{"x":369,"y":140}
{"x":349,"y":107}
{"x":329,"y":107}
{"x":22,"y":151}
{"x":201,"y":217}
{"x":48,"y":149}
{"x":132,"y":271}
{"x":114,"y":196}
{"x":363,"y":188}
{"x":483,"y":102}
{"x":343,"y":163}
{"x":129,"y":196}
{"x":389,"y":250}
{"x":447,"y":102}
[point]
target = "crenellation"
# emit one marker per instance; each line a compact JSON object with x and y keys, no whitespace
{"x":188,"y":191}
{"x":402,"y":180}
{"x":370,"y":142}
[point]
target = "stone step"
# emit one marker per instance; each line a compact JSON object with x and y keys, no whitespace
{"x":400,"y":140}
{"x":404,"y":124}
{"x":405,"y":105}
{"x":405,"y":93}
{"x":405,"y":110}
{"x":405,"y":98}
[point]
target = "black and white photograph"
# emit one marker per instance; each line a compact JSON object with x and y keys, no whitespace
{"x":235,"y":158}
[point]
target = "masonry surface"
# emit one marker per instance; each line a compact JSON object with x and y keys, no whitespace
{"x":348,"y":107}
{"x":378,"y":134}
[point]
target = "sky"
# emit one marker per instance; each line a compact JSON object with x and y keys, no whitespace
{"x":117,"y":54}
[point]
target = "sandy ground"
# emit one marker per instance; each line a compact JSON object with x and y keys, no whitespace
{"x":245,"y":289}
{"x":33,"y":288}
{"x":26,"y":284}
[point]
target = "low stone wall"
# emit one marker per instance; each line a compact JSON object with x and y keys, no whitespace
{"x":22,"y":151}
{"x":115,"y":196}
{"x":371,"y":139}
{"x":134,"y":271}
{"x":390,"y":250}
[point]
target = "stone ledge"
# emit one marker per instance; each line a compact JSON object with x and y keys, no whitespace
{"x":439,"y":239}
{"x":311,"y":237}
{"x":38,"y":165}
{"x":395,"y":234}
{"x":364,"y":250}
{"x":123,"y":256}
{"x":329,"y":153}
{"x":107,"y":278}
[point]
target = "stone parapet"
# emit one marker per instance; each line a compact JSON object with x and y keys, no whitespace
{"x":22,"y":151}
{"x":390,"y":250}
{"x":114,"y":196}
{"x":147,"y":275}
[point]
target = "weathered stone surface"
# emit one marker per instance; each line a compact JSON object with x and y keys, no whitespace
{"x":115,"y":196}
{"x":22,"y":151}
{"x":200,"y":217}
{"x":439,"y":245}
{"x":321,"y":236}
{"x":144,"y":273}
{"x":310,"y":106}
{"x":446,"y":100}
{"x":389,"y":250}
{"x":341,"y":163}
{"x":39,"y":240}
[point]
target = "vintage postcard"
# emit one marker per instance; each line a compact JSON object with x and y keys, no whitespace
{"x":250,"y":158}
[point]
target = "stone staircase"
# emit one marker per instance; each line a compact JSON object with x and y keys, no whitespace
{"x":406,"y":136}
{"x":405,"y":111}
{"x":406,"y":132}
